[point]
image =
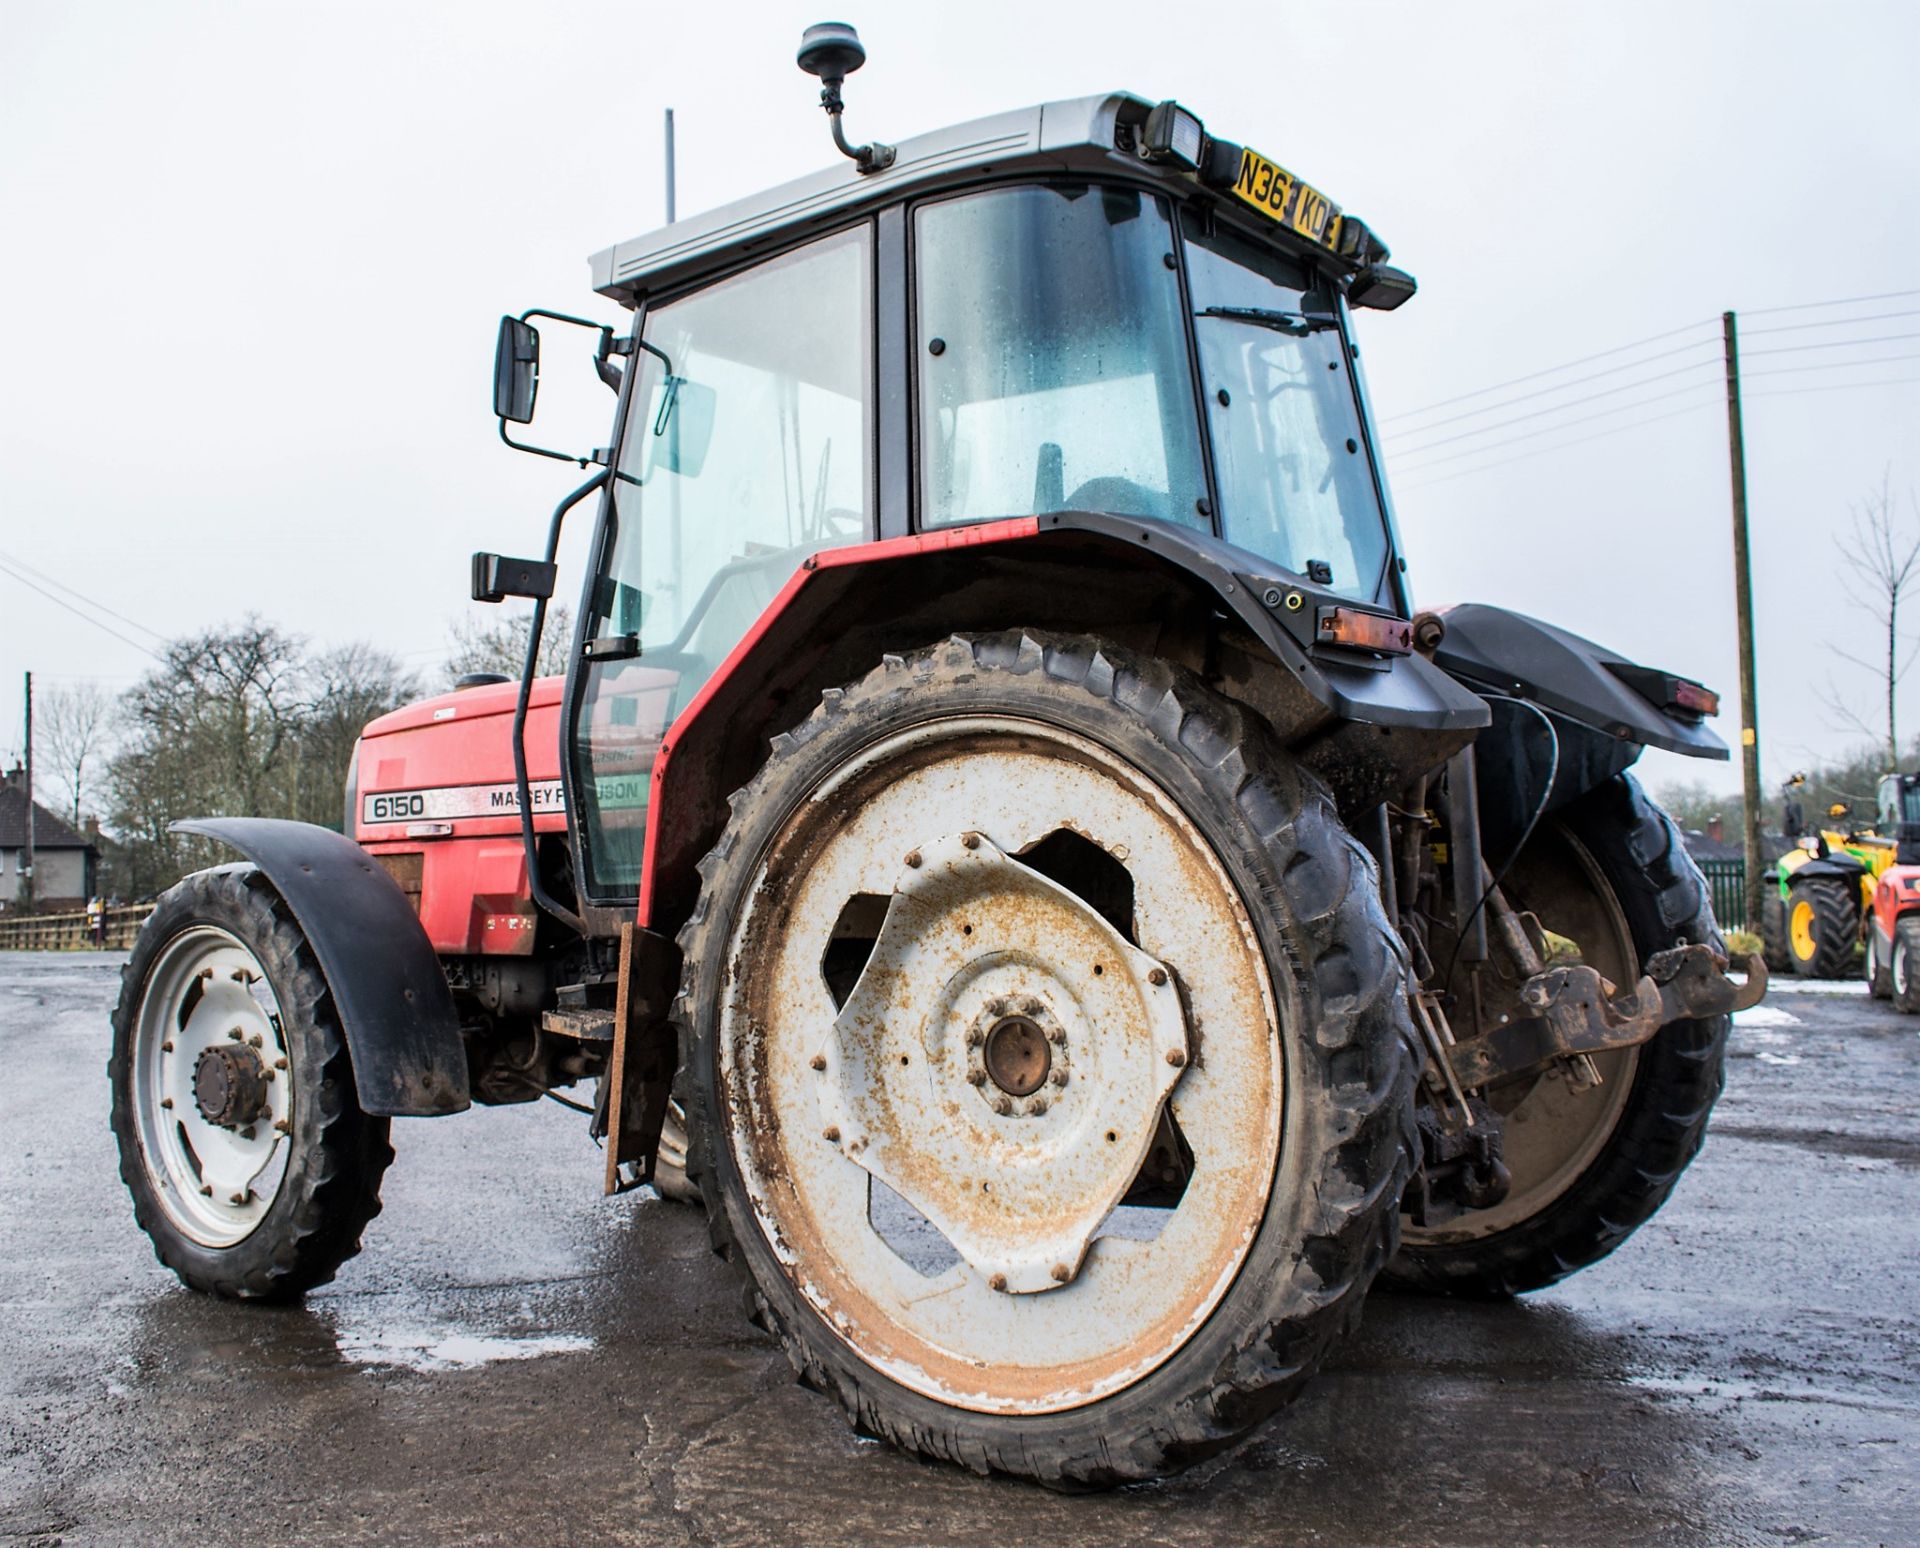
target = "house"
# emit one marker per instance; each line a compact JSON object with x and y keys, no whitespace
{"x":64,"y":860}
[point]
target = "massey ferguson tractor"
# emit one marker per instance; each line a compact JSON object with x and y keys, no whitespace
{"x":1006,"y":841}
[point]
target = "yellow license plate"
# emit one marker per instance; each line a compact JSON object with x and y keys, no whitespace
{"x":1278,"y":194}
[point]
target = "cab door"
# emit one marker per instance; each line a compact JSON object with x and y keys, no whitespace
{"x":748,"y":444}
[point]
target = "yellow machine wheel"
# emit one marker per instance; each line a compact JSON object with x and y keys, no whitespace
{"x":1823,"y":925}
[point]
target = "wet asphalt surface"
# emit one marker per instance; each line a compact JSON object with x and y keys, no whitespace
{"x":515,"y":1359}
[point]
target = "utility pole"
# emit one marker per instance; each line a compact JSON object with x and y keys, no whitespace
{"x":26,"y":873}
{"x":1743,"y":611}
{"x":670,"y":166}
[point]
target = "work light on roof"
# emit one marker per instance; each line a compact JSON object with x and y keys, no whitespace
{"x":1174,"y":134}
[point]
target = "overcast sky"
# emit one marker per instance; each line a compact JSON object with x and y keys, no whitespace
{"x":253,"y":256}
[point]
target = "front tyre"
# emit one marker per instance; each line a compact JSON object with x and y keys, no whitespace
{"x":1823,"y":924}
{"x":252,"y":1168}
{"x":1010,"y":931}
{"x":1904,"y":971}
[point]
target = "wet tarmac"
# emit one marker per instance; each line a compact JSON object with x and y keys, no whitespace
{"x":514,"y":1359}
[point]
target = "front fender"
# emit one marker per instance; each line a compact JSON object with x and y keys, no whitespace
{"x":395,"y":1008}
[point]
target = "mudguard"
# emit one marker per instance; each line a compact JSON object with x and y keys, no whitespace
{"x":394,"y":1004}
{"x":1503,"y":652}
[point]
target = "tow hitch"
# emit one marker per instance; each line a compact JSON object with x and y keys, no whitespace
{"x":1564,"y":1012}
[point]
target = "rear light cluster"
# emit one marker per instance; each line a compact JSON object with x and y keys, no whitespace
{"x":1364,"y":631}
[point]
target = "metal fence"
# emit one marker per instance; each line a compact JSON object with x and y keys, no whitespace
{"x":1727,"y":880}
{"x":70,"y":932}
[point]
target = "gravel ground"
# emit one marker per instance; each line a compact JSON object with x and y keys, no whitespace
{"x":515,"y":1359}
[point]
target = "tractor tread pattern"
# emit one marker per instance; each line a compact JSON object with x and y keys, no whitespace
{"x":1361,"y":1051}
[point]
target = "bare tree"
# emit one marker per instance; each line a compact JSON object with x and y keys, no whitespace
{"x":1883,"y":553}
{"x":73,"y":724}
{"x":499,"y":644}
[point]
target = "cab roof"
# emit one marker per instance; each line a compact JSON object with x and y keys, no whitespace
{"x":1083,"y":134}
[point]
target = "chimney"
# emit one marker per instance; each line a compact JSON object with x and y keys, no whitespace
{"x":1716,"y":829}
{"x":16,"y":777}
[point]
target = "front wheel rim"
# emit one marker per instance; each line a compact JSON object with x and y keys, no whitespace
{"x":960,"y":1334}
{"x":212,"y":1083}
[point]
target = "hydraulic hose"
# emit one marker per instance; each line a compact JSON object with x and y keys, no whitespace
{"x":522,"y":789}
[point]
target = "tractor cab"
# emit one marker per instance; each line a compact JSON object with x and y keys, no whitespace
{"x":1089,"y":314}
{"x":1898,"y":815}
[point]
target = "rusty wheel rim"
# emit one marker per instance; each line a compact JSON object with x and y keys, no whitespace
{"x":1024,"y":1315}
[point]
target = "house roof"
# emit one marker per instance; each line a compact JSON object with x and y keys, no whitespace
{"x":49,"y":831}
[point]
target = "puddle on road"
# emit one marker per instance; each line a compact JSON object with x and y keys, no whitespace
{"x":442,"y":1349}
{"x":1765,"y":1016}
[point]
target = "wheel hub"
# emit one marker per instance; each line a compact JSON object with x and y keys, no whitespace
{"x":230,"y":1086}
{"x":946,"y":1073}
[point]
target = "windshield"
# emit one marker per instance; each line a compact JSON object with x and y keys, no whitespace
{"x":1290,"y":461}
{"x":1054,"y":374}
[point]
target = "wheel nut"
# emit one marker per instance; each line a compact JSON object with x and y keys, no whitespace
{"x":971,"y":840}
{"x":832,"y":1135}
{"x":976,"y":1077}
{"x":818,"y":1061}
{"x":207,"y":1188}
{"x":279,"y":1064}
{"x":167,"y":1102}
{"x":1156,"y":976}
{"x":1058,"y":1076}
{"x":167,"y":1046}
{"x":997,"y":1282}
{"x":1056,"y":1035}
{"x":284,"y":1126}
{"x":1003,"y":1105}
{"x":1037,"y":1106}
{"x":1176,"y":1057}
{"x":913,"y":859}
{"x":1061,"y":1274}
{"x":237,"y":1198}
{"x":237,"y":1035}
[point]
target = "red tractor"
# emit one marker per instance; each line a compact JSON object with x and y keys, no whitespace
{"x":1004,"y":796}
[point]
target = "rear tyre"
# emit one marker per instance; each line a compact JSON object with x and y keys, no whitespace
{"x":670,"y":1178}
{"x":1823,"y":923}
{"x":1904,"y":971}
{"x":1773,"y":930}
{"x":1108,"y":798}
{"x":1591,"y":1165}
{"x":252,"y":1168}
{"x":1879,"y":969}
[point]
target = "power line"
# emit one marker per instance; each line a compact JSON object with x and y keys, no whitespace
{"x":1837,"y":322}
{"x":99,"y":607}
{"x":1592,"y":376}
{"x":1795,"y":349}
{"x":1808,"y":306}
{"x":1585,"y":419}
{"x":1788,"y":392}
{"x":1829,"y":365}
{"x":1481,"y":392}
{"x":1592,"y":397}
{"x":58,"y":602}
{"x":1541,"y":451}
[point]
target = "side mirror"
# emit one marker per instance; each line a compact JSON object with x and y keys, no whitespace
{"x":516,"y":370}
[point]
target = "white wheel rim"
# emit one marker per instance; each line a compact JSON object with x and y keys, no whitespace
{"x":1130,"y":1303}
{"x":216,"y":1183}
{"x":1899,"y":967}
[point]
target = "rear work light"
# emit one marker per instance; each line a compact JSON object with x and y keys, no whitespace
{"x":1679,"y":696}
{"x":1364,"y":631}
{"x":1693,"y":698}
{"x":1173,"y":134}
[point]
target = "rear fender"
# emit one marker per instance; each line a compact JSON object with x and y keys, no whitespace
{"x":395,"y":1008}
{"x":1365,"y":723}
{"x":1536,"y":676}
